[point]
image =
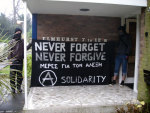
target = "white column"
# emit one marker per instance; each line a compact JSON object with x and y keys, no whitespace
{"x":25,"y":54}
{"x":137,"y":54}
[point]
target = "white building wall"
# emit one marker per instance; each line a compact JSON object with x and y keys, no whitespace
{"x":142,"y":3}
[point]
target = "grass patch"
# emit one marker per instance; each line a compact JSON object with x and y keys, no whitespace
{"x":5,"y":71}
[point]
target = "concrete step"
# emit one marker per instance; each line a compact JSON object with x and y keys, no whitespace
{"x":79,"y":99}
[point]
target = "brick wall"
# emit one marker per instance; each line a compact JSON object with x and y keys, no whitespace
{"x":77,"y":26}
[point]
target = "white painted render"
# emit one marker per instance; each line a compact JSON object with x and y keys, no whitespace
{"x":110,"y":8}
{"x":142,"y":3}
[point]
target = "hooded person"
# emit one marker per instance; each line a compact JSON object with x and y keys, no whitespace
{"x":122,"y":53}
{"x":17,"y":35}
{"x":16,"y":56}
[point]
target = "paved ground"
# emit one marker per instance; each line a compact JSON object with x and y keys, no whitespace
{"x":40,"y":98}
{"x":79,"y":99}
{"x":13,"y":103}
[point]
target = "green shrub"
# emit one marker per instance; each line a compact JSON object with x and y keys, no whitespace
{"x":29,"y":65}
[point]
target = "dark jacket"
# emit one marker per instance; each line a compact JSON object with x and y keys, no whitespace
{"x":124,"y":45}
{"x":17,"y":50}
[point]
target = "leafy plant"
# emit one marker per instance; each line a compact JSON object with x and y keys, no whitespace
{"x":5,"y":49}
{"x":29,"y":65}
{"x":141,"y":107}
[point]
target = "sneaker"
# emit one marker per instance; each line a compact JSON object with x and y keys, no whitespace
{"x":19,"y":90}
{"x":122,"y":83}
{"x":113,"y":82}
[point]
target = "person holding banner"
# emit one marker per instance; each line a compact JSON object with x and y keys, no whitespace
{"x":123,"y":51}
{"x":16,"y":57}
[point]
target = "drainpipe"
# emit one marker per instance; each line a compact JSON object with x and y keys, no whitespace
{"x":25,"y":55}
{"x":137,"y":54}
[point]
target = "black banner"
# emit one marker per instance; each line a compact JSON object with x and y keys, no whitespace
{"x":71,"y":63}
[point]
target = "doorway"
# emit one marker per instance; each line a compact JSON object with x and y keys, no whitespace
{"x":131,"y":29}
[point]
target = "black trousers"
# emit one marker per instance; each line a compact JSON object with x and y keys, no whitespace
{"x":16,"y":77}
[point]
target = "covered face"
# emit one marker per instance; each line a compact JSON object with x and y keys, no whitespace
{"x":17,"y":34}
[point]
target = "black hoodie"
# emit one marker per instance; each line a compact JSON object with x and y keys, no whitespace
{"x":17,"y":50}
{"x":124,"y":45}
